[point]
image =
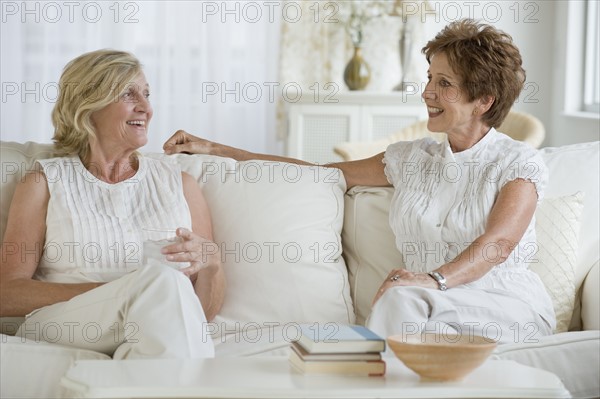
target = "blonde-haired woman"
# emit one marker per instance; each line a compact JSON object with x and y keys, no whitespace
{"x":92,"y":207}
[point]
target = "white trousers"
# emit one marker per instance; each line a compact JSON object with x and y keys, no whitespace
{"x":150,"y":313}
{"x":491,"y":313}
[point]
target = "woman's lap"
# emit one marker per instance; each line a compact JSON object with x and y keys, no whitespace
{"x":495,"y":314}
{"x":139,"y":314}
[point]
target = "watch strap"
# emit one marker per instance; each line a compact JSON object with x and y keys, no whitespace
{"x":441,"y":280}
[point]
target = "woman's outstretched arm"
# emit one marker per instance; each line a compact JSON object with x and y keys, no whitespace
{"x":364,"y":172}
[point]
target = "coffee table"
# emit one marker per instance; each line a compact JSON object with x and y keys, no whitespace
{"x":272,"y":377}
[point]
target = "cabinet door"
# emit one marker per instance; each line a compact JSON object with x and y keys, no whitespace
{"x":382,"y":121}
{"x":316,"y":129}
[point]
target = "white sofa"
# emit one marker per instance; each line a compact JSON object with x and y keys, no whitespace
{"x":281,"y":228}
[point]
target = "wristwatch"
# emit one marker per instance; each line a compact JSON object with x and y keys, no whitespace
{"x":441,"y":280}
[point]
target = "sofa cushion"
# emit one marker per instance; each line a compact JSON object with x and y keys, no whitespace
{"x":369,"y":244}
{"x":572,"y":356}
{"x":279,"y":229}
{"x":557,"y":227}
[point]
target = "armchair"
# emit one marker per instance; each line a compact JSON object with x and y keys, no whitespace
{"x":518,"y":125}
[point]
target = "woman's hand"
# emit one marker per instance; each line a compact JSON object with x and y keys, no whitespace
{"x":402,"y":277}
{"x":183,"y":142}
{"x":200,"y":252}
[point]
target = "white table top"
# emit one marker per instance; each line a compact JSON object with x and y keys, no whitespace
{"x":264,"y":377}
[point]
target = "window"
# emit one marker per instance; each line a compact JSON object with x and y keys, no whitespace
{"x":591,"y":83}
{"x":582,"y":67}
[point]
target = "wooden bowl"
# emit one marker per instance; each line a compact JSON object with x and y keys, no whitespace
{"x":441,"y":357}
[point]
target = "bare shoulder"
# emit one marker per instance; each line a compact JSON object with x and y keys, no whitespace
{"x":189,"y":183}
{"x":201,"y":220}
{"x":26,"y":224}
{"x":31,"y":197}
{"x":519,"y":189}
{"x":192,"y":190}
{"x":32,"y":187}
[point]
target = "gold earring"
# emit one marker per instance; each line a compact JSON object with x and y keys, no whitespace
{"x":475,"y":111}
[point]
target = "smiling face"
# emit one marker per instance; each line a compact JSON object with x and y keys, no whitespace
{"x":447,"y":105}
{"x":123,"y":124}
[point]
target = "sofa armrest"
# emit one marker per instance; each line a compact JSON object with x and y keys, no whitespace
{"x":590,"y":299}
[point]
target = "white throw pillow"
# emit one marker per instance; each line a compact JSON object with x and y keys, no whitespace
{"x":558,"y":221}
{"x":279,"y":229}
{"x":575,"y":168}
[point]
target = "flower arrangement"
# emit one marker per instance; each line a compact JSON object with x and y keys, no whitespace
{"x":355,"y":14}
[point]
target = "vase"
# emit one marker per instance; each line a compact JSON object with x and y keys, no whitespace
{"x":405,"y":46}
{"x":357,"y":72}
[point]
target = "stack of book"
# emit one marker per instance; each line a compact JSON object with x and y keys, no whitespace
{"x":338,"y":349}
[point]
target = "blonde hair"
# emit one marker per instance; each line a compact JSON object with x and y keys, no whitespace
{"x":487,"y":61}
{"x":89,"y":83}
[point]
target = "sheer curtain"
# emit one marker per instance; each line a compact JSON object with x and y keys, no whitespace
{"x":211,"y":65}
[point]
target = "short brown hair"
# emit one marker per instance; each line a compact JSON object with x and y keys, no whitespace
{"x":486,"y":60}
{"x":89,"y":83}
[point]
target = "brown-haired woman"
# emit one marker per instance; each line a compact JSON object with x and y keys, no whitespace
{"x":463,"y":209}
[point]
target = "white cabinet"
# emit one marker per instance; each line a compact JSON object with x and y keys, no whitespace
{"x":316,"y":125}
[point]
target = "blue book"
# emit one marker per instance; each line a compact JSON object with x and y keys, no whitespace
{"x":339,"y":338}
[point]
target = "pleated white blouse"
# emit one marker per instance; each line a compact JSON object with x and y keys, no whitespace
{"x":442,"y":201}
{"x":94,"y":230}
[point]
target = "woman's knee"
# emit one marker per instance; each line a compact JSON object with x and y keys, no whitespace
{"x":403,"y":303}
{"x":406,"y":297}
{"x":162,"y":275}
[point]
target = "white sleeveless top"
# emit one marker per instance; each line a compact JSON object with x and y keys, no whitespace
{"x":442,"y":201}
{"x":94,"y":229}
